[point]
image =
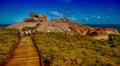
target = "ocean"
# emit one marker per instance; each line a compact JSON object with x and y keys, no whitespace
{"x":4,"y":25}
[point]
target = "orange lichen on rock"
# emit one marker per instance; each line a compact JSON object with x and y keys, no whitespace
{"x":42,"y":17}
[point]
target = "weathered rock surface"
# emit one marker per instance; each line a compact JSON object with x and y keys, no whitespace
{"x":79,"y":28}
{"x":102,"y":33}
{"x":42,"y":17}
{"x":22,"y":25}
{"x":52,"y":26}
{"x":63,"y":25}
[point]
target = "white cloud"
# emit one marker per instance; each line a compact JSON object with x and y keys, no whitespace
{"x":56,"y":13}
{"x":97,"y":17}
{"x":86,"y":19}
{"x":73,"y":18}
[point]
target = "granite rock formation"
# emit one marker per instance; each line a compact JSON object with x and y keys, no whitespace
{"x":63,"y":25}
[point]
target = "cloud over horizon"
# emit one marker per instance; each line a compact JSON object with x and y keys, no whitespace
{"x":56,"y":13}
{"x":72,"y":18}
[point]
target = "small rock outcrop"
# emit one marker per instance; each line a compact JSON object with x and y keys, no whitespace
{"x":35,"y":18}
{"x":63,"y":25}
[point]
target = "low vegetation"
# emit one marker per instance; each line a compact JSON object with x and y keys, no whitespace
{"x":8,"y":40}
{"x":74,"y":50}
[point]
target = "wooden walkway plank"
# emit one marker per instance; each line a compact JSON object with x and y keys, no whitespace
{"x":25,"y":54}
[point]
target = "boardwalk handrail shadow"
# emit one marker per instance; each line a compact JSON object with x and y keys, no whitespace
{"x":40,"y":56}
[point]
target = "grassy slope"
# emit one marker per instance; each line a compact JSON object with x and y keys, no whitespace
{"x":8,"y":39}
{"x":65,"y":50}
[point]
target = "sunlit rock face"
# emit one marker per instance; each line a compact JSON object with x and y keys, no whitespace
{"x":21,"y":25}
{"x":56,"y":25}
{"x":102,"y":33}
{"x":35,"y":18}
{"x":52,"y":26}
{"x":63,"y":25}
{"x":79,"y":28}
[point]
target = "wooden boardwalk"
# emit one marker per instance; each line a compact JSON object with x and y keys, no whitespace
{"x":25,"y":54}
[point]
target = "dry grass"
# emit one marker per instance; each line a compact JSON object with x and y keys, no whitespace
{"x":8,"y":39}
{"x":75,"y":50}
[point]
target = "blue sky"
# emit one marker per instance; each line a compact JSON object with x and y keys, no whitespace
{"x":82,"y":11}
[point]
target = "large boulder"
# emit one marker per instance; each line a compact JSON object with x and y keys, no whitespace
{"x":102,"y":33}
{"x":35,"y":18}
